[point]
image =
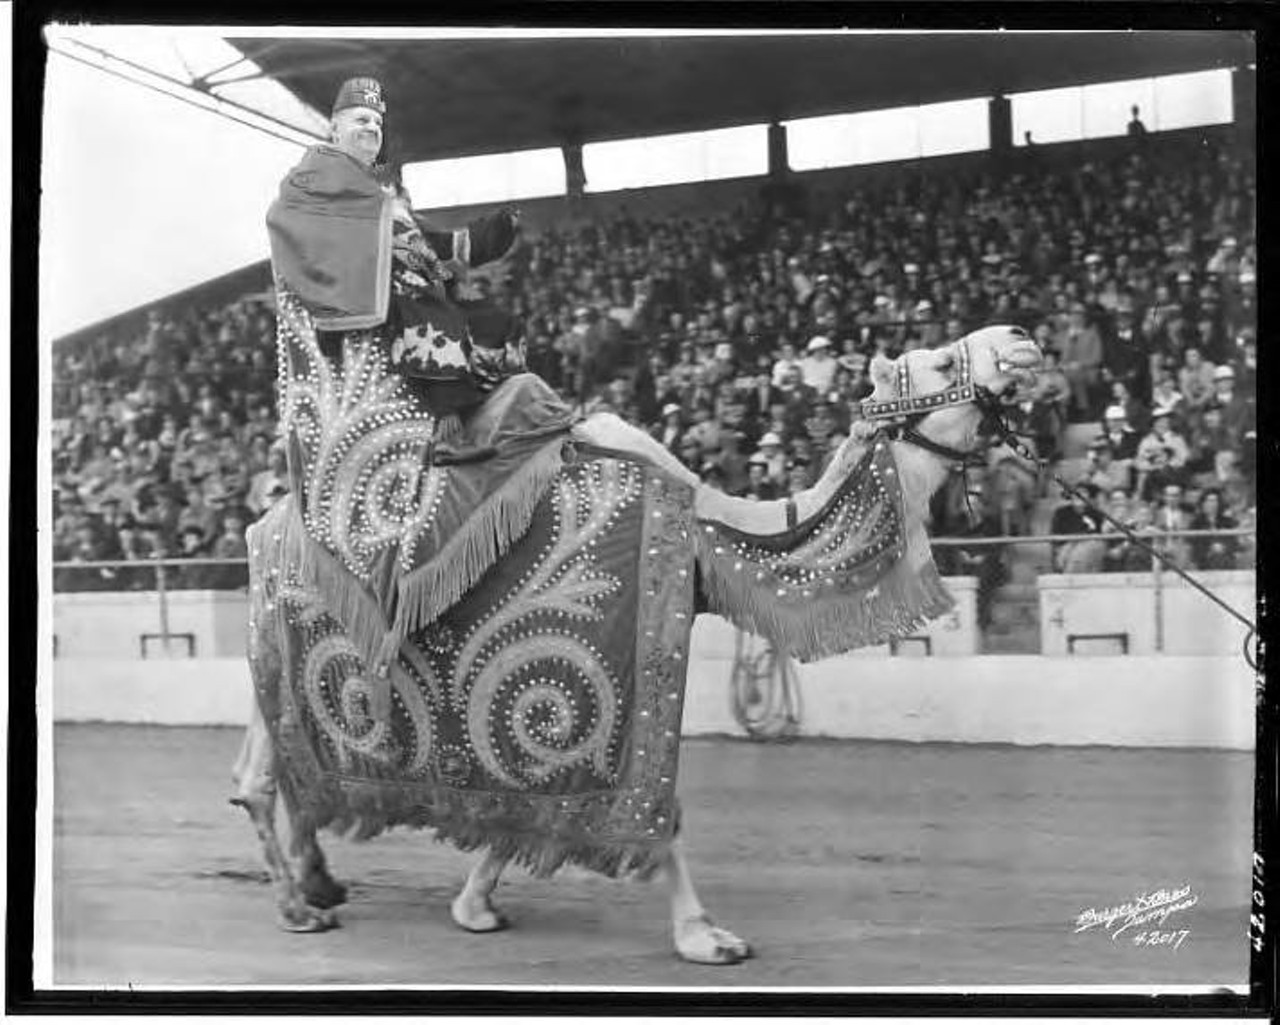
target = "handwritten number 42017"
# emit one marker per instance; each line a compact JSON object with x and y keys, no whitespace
{"x":1156,"y":938}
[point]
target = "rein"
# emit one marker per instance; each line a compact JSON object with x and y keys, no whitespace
{"x":1007,"y":436}
{"x":902,"y":415}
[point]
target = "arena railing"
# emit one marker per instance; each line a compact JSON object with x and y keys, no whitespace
{"x":1008,"y":612}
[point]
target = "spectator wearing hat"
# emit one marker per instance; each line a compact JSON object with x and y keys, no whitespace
{"x":1119,"y":434}
{"x":1126,"y":354}
{"x":1238,"y":415}
{"x":1081,"y":350}
{"x":798,"y":398}
{"x":670,"y":432}
{"x":775,"y":457}
{"x":818,"y":368}
{"x":759,"y":487}
{"x":1162,"y":456}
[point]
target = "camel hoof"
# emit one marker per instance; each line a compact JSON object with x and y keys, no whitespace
{"x":701,"y":941}
{"x":482,"y":918}
{"x":322,"y":891}
{"x":300,"y":917}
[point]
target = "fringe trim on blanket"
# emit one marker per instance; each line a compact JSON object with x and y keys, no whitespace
{"x":902,"y":601}
{"x":473,"y":821}
{"x":345,"y":597}
{"x":482,"y":539}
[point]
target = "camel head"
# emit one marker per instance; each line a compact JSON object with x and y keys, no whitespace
{"x":939,"y":392}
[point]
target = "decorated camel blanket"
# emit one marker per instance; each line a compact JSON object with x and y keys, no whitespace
{"x":539,"y":715}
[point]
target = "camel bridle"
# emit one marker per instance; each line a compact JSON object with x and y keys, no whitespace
{"x":903,"y":414}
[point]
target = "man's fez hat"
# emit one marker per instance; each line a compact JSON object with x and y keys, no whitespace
{"x":360,"y":92}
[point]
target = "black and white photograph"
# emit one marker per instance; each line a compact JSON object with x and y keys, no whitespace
{"x":640,"y":511}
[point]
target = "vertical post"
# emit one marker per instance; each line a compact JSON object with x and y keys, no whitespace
{"x":778,"y":162}
{"x":1158,"y":580}
{"x":1244,"y":100}
{"x":1000,"y":124}
{"x":575,"y":175}
{"x":163,"y":596}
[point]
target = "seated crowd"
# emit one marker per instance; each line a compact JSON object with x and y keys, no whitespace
{"x":743,"y":342}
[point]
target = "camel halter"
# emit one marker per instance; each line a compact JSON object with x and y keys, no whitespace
{"x":902,"y":414}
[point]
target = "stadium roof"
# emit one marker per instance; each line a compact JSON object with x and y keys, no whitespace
{"x":458,"y":97}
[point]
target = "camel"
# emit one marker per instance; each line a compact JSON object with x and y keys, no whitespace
{"x":929,"y":409}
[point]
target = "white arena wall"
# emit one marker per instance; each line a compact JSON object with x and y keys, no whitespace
{"x":1138,"y":700}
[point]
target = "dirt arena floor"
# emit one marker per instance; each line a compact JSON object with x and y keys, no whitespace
{"x":844,"y":863}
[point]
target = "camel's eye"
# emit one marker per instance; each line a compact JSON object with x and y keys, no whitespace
{"x":945,"y":361}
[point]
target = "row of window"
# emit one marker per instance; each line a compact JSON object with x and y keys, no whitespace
{"x":839,"y":140}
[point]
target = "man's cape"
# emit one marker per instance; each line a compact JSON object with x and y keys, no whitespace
{"x":330,"y":231}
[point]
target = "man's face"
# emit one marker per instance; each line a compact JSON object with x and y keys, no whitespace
{"x":1172,"y":496}
{"x":357,"y":131}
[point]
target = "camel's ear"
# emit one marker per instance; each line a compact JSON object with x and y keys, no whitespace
{"x":882,"y":370}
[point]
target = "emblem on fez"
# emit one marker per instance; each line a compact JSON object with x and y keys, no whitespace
{"x":430,"y":346}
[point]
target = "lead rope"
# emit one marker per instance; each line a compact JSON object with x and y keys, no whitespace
{"x":1008,"y":437}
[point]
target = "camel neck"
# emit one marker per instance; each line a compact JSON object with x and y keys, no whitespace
{"x":921,"y":474}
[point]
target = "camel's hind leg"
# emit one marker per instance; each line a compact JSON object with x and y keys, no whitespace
{"x":256,"y":793}
{"x":472,"y":909}
{"x":310,"y":867}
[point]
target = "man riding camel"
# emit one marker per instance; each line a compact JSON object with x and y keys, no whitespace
{"x":346,"y":244}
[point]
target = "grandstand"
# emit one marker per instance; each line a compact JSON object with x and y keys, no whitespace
{"x":726,"y":234}
{"x":1133,"y":259}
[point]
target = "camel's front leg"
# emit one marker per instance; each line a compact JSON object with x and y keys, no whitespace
{"x":472,"y":909}
{"x":697,"y":937}
{"x":256,"y":793}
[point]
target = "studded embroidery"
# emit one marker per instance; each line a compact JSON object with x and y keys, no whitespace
{"x":364,"y":445}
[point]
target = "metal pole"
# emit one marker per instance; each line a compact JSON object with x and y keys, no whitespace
{"x":1159,"y":602}
{"x":162,"y":595}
